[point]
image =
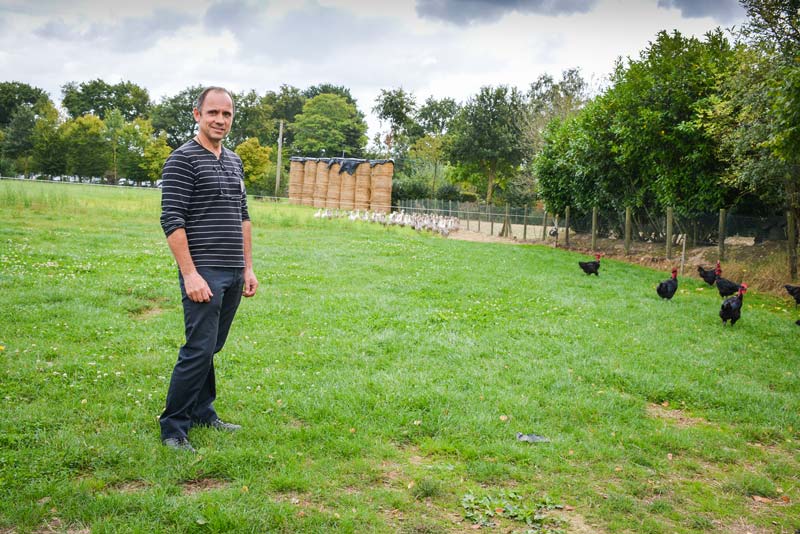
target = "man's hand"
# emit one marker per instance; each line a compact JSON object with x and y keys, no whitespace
{"x":250,"y":283}
{"x":197,"y":288}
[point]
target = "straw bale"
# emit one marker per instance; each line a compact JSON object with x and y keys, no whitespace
{"x":296,"y":172}
{"x":363,"y":172}
{"x":309,"y":181}
{"x":334,"y":185}
{"x":381,"y":186}
{"x":347,"y":197}
{"x":321,"y":183}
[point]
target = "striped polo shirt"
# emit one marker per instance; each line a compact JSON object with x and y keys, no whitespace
{"x":206,"y":196}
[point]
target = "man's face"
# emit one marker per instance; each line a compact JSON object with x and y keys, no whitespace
{"x":216,"y":117}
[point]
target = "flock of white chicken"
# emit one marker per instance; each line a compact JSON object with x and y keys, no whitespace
{"x":438,"y":224}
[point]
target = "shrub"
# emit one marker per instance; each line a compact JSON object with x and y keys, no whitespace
{"x":406,"y":189}
{"x":468,"y":196}
{"x":448,"y":192}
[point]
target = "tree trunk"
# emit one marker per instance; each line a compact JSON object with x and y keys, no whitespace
{"x":490,"y":188}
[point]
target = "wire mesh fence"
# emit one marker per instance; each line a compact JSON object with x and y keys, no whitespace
{"x":628,"y":232}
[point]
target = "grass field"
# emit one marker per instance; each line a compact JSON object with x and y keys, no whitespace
{"x":381,"y":376}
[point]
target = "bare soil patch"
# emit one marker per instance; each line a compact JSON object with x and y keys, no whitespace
{"x":193,"y":487}
{"x":574,"y":523}
{"x":742,"y":527}
{"x":677,"y":416}
{"x":56,"y":525}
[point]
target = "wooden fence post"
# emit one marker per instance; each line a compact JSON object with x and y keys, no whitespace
{"x":669,"y":233}
{"x":722,"y":234}
{"x":628,"y":229}
{"x":525,"y":224}
{"x":566,"y":227}
{"x":791,"y":233}
{"x":594,"y":228}
{"x":491,"y":221}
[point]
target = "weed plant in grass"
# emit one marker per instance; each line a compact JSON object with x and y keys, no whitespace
{"x":381,"y":376}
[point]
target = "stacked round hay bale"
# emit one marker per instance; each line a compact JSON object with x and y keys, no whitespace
{"x":309,"y":181}
{"x":321,"y":183}
{"x":363,"y":177}
{"x":334,"y":184}
{"x":296,"y":172}
{"x":381,"y":186}
{"x":347,"y":197}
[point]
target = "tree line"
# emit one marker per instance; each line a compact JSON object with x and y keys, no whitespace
{"x":116,"y":131}
{"x":693,"y":124}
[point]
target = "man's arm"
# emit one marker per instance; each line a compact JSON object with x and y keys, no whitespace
{"x":195,"y":285}
{"x":250,"y":281}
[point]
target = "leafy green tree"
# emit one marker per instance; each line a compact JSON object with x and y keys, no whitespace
{"x":114,"y":123}
{"x":99,"y":98}
{"x":18,"y":140}
{"x":86,"y":147}
{"x":429,"y":151}
{"x":661,"y":153}
{"x":434,"y":116}
{"x":287,"y":103}
{"x":398,"y":107}
{"x":486,"y":133}
{"x":173,"y":115}
{"x":256,"y":163}
{"x":548,"y":100}
{"x":555,"y":169}
{"x":133,"y":139}
{"x":253,"y":118}
{"x":773,"y":32}
{"x":15,"y":94}
{"x":331,"y":89}
{"x":154,"y":155}
{"x":48,"y":142}
{"x":331,"y":126}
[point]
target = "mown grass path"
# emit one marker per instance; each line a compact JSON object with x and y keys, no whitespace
{"x":381,"y":376}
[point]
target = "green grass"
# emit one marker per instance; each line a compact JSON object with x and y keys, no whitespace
{"x":381,"y":376}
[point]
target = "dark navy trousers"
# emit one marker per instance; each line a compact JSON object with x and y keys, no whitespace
{"x":192,"y":388}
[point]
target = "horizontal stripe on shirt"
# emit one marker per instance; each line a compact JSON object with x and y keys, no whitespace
{"x":206,"y":196}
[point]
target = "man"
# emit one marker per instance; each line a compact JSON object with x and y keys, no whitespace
{"x":204,"y":216}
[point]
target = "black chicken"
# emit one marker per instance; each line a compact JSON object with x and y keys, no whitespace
{"x":795,"y":292}
{"x":725,"y":287}
{"x":709,"y":275}
{"x":591,"y":267}
{"x":731,"y":308}
{"x":667,"y":288}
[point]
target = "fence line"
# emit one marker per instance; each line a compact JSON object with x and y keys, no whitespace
{"x":598,"y":230}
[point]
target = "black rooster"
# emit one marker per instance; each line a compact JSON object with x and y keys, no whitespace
{"x":709,"y":275}
{"x":731,"y":308}
{"x":725,"y":287}
{"x":667,"y":288}
{"x":795,"y":292}
{"x":591,"y":267}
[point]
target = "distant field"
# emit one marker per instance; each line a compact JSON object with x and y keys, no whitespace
{"x":381,"y":376}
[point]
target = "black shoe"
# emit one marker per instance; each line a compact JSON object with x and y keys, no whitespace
{"x":219,"y":424}
{"x":179,"y":444}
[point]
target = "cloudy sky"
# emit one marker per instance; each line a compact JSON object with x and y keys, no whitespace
{"x":430,"y":47}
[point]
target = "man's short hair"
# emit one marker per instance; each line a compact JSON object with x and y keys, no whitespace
{"x":201,"y":98}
